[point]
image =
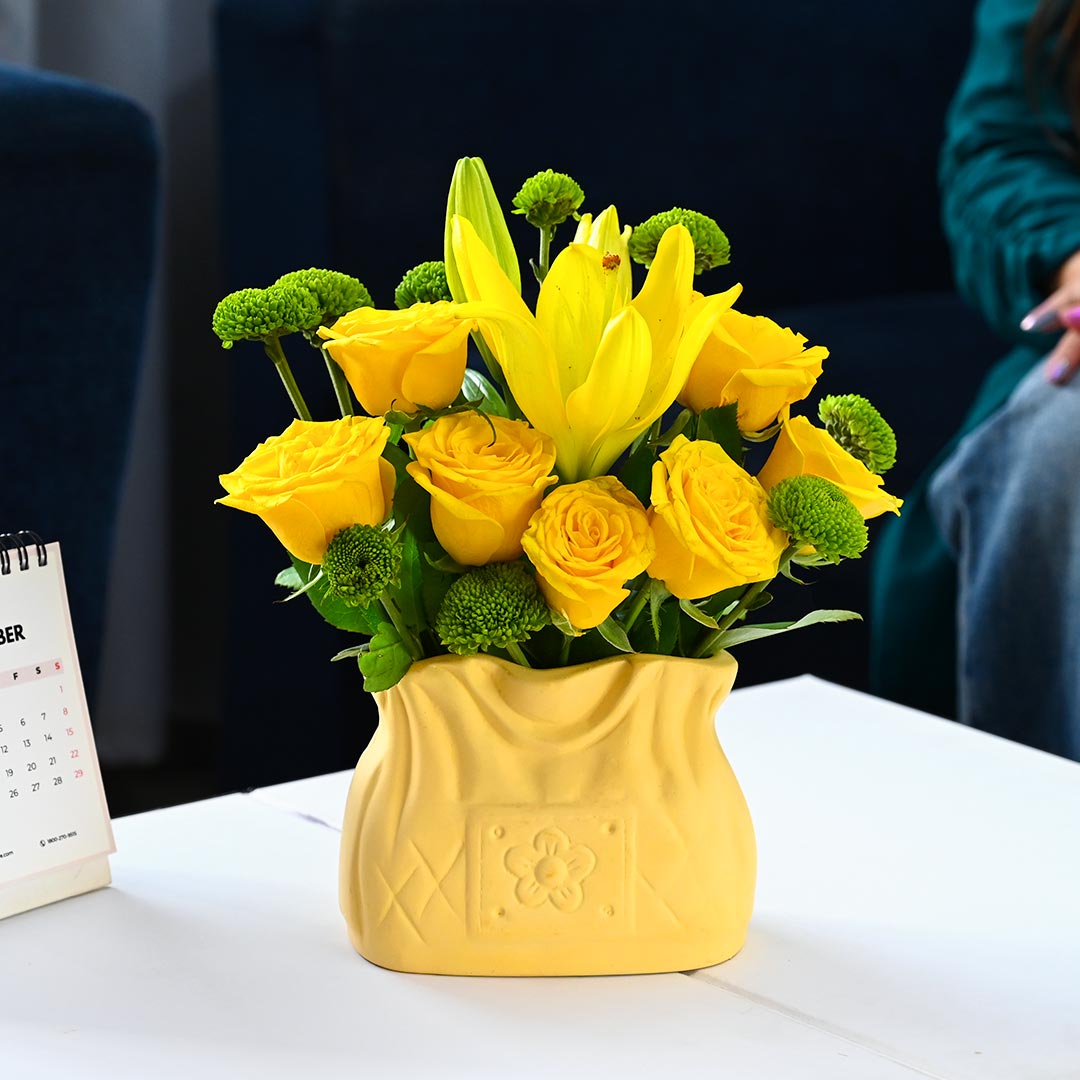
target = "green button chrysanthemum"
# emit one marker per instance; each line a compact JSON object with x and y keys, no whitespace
{"x":814,"y":512}
{"x":711,"y":246}
{"x":860,"y":429}
{"x":491,"y":607}
{"x":423,"y":284}
{"x":335,"y":293}
{"x":258,"y":314}
{"x":360,"y":562}
{"x":548,"y":198}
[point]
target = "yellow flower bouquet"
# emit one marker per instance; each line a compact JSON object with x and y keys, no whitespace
{"x":541,"y":559}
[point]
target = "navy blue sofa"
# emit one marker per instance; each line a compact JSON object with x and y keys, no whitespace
{"x":78,"y":205}
{"x":809,"y":130}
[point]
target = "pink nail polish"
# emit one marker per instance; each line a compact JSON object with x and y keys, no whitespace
{"x":1071,"y":318}
{"x":1057,"y":372}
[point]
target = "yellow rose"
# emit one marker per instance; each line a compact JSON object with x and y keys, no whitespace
{"x":710,"y":523}
{"x":401,"y":359}
{"x":802,"y":448}
{"x":484,"y":484}
{"x":756,"y":362}
{"x":586,"y":541}
{"x":315,"y":479}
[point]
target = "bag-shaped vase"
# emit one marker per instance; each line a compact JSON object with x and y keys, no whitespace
{"x":571,"y":821}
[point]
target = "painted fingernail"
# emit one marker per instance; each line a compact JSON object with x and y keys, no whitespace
{"x":1071,"y":317}
{"x":1048,"y":320}
{"x":1057,"y":371}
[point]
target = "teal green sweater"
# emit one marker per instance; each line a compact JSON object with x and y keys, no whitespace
{"x":1011,"y":211}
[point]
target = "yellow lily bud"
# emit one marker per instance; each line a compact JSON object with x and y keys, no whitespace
{"x":472,"y":196}
{"x":604,"y":234}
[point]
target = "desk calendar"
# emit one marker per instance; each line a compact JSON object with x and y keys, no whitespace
{"x":55,"y":833}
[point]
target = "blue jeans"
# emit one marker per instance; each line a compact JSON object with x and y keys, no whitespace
{"x":1007,"y":503}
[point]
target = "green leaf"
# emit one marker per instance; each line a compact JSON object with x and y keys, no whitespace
{"x":409,"y":591}
{"x":636,"y":473}
{"x":289,"y":579}
{"x":412,"y":508}
{"x":358,"y":620}
{"x":720,"y":425}
{"x":436,"y":579}
{"x":698,"y":615}
{"x":719,"y":604}
{"x":615,"y":635}
{"x":657,"y":595}
{"x":785,"y":569}
{"x":398,"y":419}
{"x":761,"y":600}
{"x":444,"y":563}
{"x":480,"y":389}
{"x":682,"y":422}
{"x":764,"y":630}
{"x":563,"y":624}
{"x":386,"y":660}
{"x":356,"y":650}
{"x":398,"y":458}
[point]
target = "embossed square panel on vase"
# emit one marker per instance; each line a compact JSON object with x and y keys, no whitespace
{"x":572,"y":821}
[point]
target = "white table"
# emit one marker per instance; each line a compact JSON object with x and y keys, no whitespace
{"x":918,"y":915}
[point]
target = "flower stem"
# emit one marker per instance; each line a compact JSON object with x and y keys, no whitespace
{"x":543,"y":263}
{"x":564,"y":652}
{"x":406,"y":635}
{"x":751,"y":593}
{"x":341,"y":384}
{"x":638,"y":606}
{"x":514,"y":649}
{"x":272,"y":346}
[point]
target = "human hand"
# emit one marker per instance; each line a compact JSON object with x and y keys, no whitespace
{"x":1060,"y":311}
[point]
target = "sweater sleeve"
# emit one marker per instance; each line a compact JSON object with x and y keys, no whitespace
{"x":1011,"y":198}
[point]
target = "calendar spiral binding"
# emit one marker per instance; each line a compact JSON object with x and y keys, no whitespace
{"x":20,"y":542}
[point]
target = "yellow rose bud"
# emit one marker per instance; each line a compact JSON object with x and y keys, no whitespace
{"x":315,"y":479}
{"x":802,"y":448}
{"x":586,"y":541}
{"x":756,"y":362}
{"x":710,"y":522}
{"x":401,"y":359}
{"x":486,"y":476}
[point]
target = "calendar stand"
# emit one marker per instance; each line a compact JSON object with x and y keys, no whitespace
{"x":53,"y":885}
{"x":55,"y":832}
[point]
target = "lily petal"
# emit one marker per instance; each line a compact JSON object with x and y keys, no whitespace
{"x":528,"y":363}
{"x":665,"y":296}
{"x":603,"y":413}
{"x":701,"y":319}
{"x":481,"y":275}
{"x":576,"y":302}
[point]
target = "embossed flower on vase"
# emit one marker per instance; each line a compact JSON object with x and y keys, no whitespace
{"x":551,"y":869}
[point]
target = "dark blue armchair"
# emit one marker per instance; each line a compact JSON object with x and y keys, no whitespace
{"x":78,"y":200}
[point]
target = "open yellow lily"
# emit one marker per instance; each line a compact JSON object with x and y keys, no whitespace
{"x":592,"y":368}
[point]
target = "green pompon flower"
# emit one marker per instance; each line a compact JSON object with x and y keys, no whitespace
{"x":494,"y":606}
{"x":335,"y":293}
{"x":360,"y":562}
{"x":423,"y":284}
{"x":860,"y":429}
{"x":548,"y":198}
{"x":814,"y":511}
{"x":259,"y":314}
{"x":711,"y":246}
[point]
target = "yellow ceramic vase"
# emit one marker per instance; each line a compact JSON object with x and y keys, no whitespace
{"x":576,"y":821}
